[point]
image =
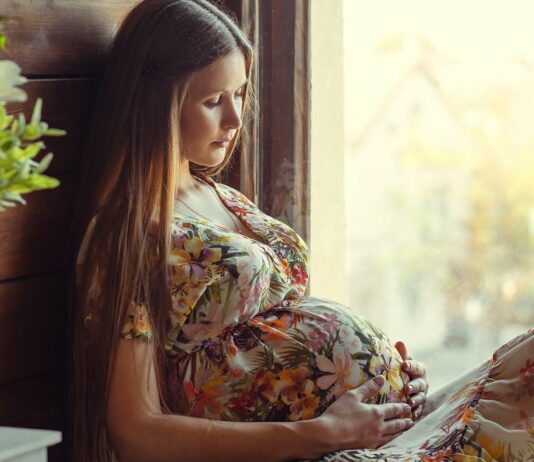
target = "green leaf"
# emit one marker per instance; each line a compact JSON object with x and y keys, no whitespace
{"x":8,"y":142}
{"x":55,"y":132}
{"x":6,"y":204}
{"x":43,"y":182}
{"x":36,"y":116}
{"x":45,"y":162}
{"x":8,"y":174}
{"x":14,"y":197}
{"x":33,"y":149}
{"x":24,"y":172}
{"x":31,"y":132}
{"x":15,"y":127}
{"x":17,"y":153}
{"x":20,"y":188}
{"x":19,"y":173}
{"x":3,"y":116}
{"x":3,"y":41}
{"x":22,"y":120}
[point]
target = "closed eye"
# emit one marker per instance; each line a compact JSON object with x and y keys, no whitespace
{"x":212,"y":104}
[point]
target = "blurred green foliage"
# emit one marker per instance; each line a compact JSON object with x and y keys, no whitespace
{"x":19,"y":145}
{"x":20,"y":141}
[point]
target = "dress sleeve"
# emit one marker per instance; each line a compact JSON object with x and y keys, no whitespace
{"x":137,"y":323}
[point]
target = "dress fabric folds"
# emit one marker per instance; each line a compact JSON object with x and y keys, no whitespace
{"x":487,"y":414}
{"x":244,"y":343}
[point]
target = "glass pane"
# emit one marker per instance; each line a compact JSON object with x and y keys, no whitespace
{"x":440,"y":174}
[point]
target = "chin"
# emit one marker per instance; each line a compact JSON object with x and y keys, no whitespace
{"x":210,"y":160}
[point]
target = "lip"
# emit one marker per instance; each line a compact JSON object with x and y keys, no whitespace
{"x":221,"y":144}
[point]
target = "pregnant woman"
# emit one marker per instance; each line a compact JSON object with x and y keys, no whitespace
{"x":192,"y":337}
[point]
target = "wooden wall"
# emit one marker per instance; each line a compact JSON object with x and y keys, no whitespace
{"x":59,"y":45}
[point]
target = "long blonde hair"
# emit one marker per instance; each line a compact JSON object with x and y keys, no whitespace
{"x":131,"y":158}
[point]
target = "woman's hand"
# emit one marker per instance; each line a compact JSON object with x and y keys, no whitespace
{"x":417,"y":387}
{"x":350,"y":423}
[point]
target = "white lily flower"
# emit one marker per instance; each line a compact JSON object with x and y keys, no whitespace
{"x":9,"y":79}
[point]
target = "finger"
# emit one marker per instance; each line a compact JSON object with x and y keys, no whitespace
{"x":417,"y":412}
{"x":401,"y":348}
{"x":369,"y":389}
{"x":392,"y":410}
{"x":415,"y":386}
{"x":414,"y":368}
{"x":416,"y":400}
{"x":392,"y":427}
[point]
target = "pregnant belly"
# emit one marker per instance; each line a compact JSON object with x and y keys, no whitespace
{"x":289,"y":363}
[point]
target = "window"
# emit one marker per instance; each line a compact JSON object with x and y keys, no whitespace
{"x":434,"y":219}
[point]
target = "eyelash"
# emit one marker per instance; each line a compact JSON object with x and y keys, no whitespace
{"x":212,"y":105}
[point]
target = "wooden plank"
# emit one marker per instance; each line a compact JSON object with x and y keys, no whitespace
{"x":58,"y":452}
{"x":33,"y":326}
{"x":33,"y":237}
{"x":67,"y":104}
{"x":38,"y":402}
{"x":61,"y":37}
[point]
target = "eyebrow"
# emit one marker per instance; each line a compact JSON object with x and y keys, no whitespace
{"x":224,"y":90}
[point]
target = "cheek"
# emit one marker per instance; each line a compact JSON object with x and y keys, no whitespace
{"x":198,"y":127}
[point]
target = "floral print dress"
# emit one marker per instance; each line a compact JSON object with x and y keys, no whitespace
{"x":245,"y":343}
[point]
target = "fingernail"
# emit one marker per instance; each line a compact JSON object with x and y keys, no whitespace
{"x":410,"y":387}
{"x":407,"y":366}
{"x":411,"y":402}
{"x":379,"y":380}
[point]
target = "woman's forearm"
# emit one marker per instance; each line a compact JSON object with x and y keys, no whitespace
{"x":176,"y":438}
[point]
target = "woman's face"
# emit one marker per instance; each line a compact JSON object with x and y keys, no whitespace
{"x":211,"y":112}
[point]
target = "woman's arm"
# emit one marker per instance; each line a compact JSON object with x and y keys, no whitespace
{"x":140,"y":432}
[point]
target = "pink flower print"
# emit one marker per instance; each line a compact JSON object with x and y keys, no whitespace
{"x":525,"y":422}
{"x":527,"y":370}
{"x":210,"y":388}
{"x":341,"y":369}
{"x":248,"y":303}
{"x":236,"y":373}
{"x":350,"y":339}
{"x":330,"y":322}
{"x":243,"y":403}
{"x":317,"y":338}
{"x":299,"y":275}
{"x":527,"y":382}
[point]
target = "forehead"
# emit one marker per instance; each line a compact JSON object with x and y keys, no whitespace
{"x":226,"y":74}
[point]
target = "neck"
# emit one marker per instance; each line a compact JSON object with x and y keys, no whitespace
{"x":186,"y":183}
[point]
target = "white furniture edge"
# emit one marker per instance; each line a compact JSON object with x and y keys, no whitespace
{"x":18,"y":441}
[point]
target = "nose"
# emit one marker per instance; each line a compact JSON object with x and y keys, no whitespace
{"x":232,"y":116}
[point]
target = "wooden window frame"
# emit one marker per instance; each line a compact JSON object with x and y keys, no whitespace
{"x":273,"y":167}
